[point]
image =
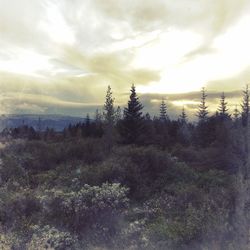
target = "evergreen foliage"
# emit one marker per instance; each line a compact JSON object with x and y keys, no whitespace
{"x":202,"y":113}
{"x":109,"y":111}
{"x":183,"y":116}
{"x":132,"y":124}
{"x":163,"y":111}
{"x":245,"y":107}
{"x":223,"y":110}
{"x":236,"y":113}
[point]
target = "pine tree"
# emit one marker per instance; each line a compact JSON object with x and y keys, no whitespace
{"x":132,"y":124}
{"x":98,"y":124}
{"x":245,"y":107}
{"x":109,"y":112}
{"x":163,"y":111}
{"x":236,"y":113}
{"x":245,"y":123}
{"x":183,"y":134}
{"x":223,"y":110}
{"x":86,"y":130}
{"x":87,"y":120}
{"x":39,"y":125}
{"x":118,"y":114}
{"x":183,"y":116}
{"x":203,"y":109}
{"x":98,"y":117}
{"x":109,"y":120}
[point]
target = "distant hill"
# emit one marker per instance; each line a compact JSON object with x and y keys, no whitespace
{"x":57,"y":122}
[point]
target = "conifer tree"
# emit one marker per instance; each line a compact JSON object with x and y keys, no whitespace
{"x":86,"y":130}
{"x":98,"y":116}
{"x":163,"y":111}
{"x":245,"y":123}
{"x":109,"y":119}
{"x":109,"y":112}
{"x":87,"y":120}
{"x":118,"y":114}
{"x":236,"y":113}
{"x":203,"y":108}
{"x":98,"y":124}
{"x":39,"y":125}
{"x":132,"y":124}
{"x":245,"y":107}
{"x":223,"y":110}
{"x":183,"y":116}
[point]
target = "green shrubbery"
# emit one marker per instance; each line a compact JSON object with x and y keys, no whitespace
{"x":77,"y":195}
{"x":51,"y":238}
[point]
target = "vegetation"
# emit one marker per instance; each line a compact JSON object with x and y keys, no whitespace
{"x":150,"y":184}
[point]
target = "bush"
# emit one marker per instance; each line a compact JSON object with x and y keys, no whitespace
{"x":144,"y":170}
{"x":18,"y":207}
{"x":93,"y":208}
{"x":51,"y":238}
{"x":188,"y":214}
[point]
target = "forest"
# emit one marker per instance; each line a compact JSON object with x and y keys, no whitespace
{"x":126,"y":180}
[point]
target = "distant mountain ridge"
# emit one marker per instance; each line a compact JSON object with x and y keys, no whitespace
{"x":57,"y":122}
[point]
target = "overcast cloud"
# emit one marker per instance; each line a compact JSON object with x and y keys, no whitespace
{"x":59,"y":56}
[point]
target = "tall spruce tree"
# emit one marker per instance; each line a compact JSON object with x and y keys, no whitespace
{"x":163,"y":111}
{"x":98,"y":124}
{"x":132,"y":125}
{"x":109,"y":111}
{"x":109,"y":119}
{"x":39,"y":125}
{"x":245,"y":107}
{"x":202,"y":113}
{"x":245,"y":123}
{"x":223,"y":110}
{"x":118,"y":114}
{"x":98,"y":117}
{"x":183,"y":116}
{"x":236,"y":113}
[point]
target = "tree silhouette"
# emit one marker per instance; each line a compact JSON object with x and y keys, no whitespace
{"x":245,"y":107}
{"x":109,"y":119}
{"x":236,"y":113}
{"x":183,"y":116}
{"x":109,"y":112}
{"x":163,"y":111}
{"x":203,"y":109}
{"x":132,"y":124}
{"x":223,"y":110}
{"x":118,"y":114}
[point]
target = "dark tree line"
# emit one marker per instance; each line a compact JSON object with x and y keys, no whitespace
{"x":136,"y":127}
{"x":217,"y":131}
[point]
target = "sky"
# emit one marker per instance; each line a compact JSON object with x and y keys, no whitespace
{"x":58,"y":57}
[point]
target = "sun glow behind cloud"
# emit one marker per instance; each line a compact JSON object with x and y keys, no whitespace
{"x":228,"y":57}
{"x":26,"y":62}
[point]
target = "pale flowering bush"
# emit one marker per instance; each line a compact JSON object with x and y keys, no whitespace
{"x":51,"y":238}
{"x":10,"y":241}
{"x":5,"y":242}
{"x":133,"y":235}
{"x":91,"y":211}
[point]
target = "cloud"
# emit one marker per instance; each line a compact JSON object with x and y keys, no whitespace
{"x":59,"y":56}
{"x":193,"y":14}
{"x":235,"y":82}
{"x":110,"y":68}
{"x":41,"y":104}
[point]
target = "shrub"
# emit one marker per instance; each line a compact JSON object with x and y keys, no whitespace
{"x":51,"y":238}
{"x":90,"y":208}
{"x":17,"y":207}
